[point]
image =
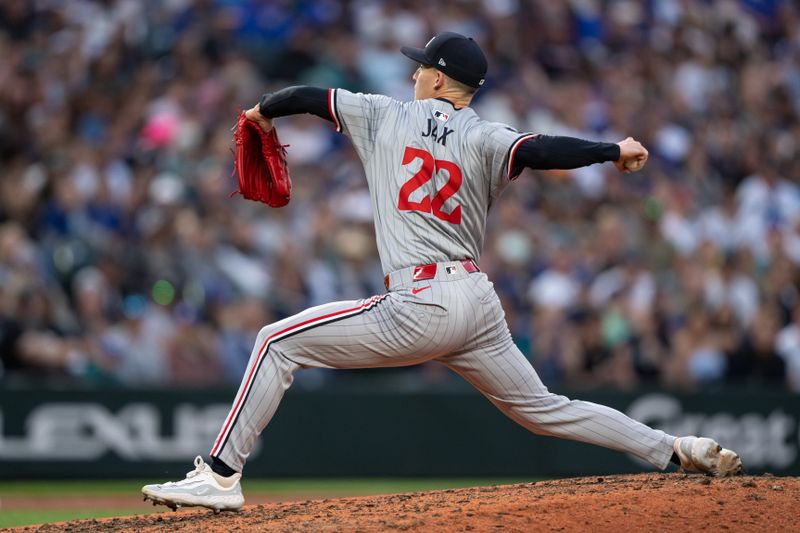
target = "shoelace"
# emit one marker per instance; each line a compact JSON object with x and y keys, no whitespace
{"x":199,"y":467}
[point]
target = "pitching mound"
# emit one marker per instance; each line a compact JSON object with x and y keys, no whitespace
{"x":644,"y":502}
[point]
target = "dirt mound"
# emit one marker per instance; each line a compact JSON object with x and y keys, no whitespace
{"x":643,"y":502}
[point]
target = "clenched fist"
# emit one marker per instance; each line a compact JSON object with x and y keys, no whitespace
{"x":632,"y":156}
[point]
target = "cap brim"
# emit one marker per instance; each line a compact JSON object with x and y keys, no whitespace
{"x":417,"y":54}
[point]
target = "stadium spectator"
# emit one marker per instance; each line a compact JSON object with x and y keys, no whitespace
{"x":122,"y":257}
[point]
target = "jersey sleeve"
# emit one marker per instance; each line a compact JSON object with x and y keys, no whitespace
{"x":360,"y":117}
{"x":499,"y":148}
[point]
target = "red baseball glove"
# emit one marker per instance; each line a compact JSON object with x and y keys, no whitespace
{"x":261,"y":164}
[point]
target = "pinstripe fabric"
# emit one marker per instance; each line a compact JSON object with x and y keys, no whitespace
{"x":381,"y":129}
{"x":496,"y":367}
{"x":280,"y":331}
{"x":455,"y":318}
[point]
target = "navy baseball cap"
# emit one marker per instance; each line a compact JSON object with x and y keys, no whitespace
{"x":453,"y":54}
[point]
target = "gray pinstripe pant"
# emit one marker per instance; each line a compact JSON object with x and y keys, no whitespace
{"x":456,"y":319}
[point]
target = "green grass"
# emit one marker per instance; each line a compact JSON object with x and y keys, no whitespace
{"x":342,"y":486}
{"x":288,"y":488}
{"x":47,"y":516}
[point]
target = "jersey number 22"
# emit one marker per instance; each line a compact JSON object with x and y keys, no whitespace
{"x":430,"y":166}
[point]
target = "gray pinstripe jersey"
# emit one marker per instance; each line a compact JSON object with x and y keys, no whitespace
{"x":433,"y":173}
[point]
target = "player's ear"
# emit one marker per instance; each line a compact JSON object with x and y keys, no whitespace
{"x":439,"y":83}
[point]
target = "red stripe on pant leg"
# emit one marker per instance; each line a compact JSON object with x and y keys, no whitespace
{"x":263,"y":350}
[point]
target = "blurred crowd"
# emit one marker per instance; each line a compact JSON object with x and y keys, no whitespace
{"x":123,"y":259}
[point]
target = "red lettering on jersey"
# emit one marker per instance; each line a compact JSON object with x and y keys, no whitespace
{"x":430,"y":166}
{"x":449,"y":189}
{"x":417,"y":180}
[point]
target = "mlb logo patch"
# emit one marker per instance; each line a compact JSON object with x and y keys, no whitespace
{"x":441,"y":116}
{"x":450,"y":269}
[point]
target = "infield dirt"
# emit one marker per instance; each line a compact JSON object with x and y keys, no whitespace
{"x":643,"y":502}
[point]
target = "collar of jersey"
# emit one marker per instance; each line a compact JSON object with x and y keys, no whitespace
{"x":449,"y":102}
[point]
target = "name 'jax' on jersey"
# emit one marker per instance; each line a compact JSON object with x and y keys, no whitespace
{"x":433,"y":172}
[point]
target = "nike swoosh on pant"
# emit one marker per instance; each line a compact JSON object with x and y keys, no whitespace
{"x":415,"y":291}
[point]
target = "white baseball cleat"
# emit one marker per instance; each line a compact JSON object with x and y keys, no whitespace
{"x":202,"y":487}
{"x":699,"y":454}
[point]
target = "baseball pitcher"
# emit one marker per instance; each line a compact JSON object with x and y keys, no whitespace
{"x":434,"y":169}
